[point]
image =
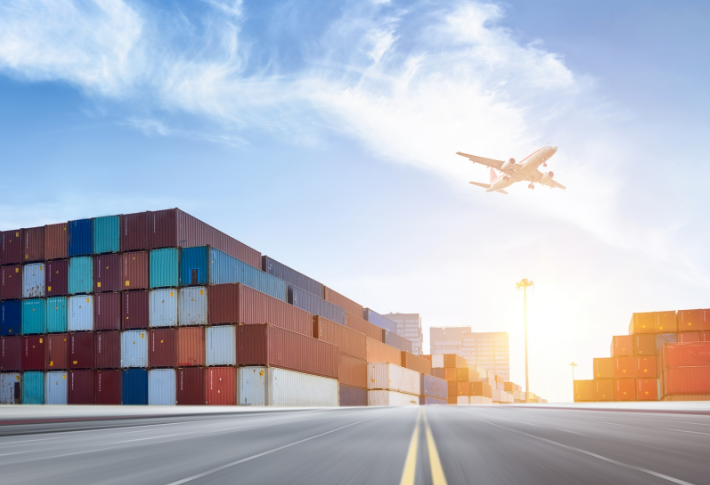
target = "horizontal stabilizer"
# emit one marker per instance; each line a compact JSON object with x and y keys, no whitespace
{"x":485,"y":186}
{"x":502,"y":192}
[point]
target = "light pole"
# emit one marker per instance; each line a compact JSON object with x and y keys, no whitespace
{"x":573,"y":365}
{"x":524,"y":284}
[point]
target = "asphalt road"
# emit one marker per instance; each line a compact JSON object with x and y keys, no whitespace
{"x":436,"y":445}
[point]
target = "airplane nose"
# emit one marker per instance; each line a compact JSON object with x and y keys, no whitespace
{"x":554,"y":148}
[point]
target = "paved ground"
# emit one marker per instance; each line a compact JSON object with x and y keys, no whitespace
{"x":454,"y":445}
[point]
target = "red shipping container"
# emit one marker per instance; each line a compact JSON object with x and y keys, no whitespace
{"x":191,"y":386}
{"x":686,"y":380}
{"x":134,"y":270}
{"x":343,"y":302}
{"x":107,"y":350}
{"x":363,"y":326}
{"x":695,"y":354}
{"x":690,"y":320}
{"x":624,"y":367}
{"x":666,"y":322}
{"x":647,"y":389}
{"x":162,"y":347}
{"x":107,"y":387}
{"x":190,"y":346}
{"x":352,"y":372}
{"x":80,"y":350}
{"x":55,"y":241}
{"x":705,"y":336}
{"x":624,"y":389}
{"x":642,"y":323}
{"x":221,"y":386}
{"x":11,"y":282}
{"x":135,"y":310}
{"x":622,"y":346}
{"x":34,"y":244}
{"x":107,"y":311}
{"x":33,"y":349}
{"x":349,"y":342}
{"x":56,"y":279}
{"x":107,"y":273}
{"x":603,"y":389}
{"x":268,"y":345}
{"x":11,"y":353}
{"x":646,"y":367}
{"x":687,"y":337}
{"x":80,"y":388}
{"x":236,"y":303}
{"x":644,"y":344}
{"x":133,"y":232}
{"x":11,"y":247}
{"x":56,"y":355}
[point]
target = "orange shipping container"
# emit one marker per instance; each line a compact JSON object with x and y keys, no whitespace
{"x":705,"y":336}
{"x":622,"y":346}
{"x":452,"y":400}
{"x":379,"y":352}
{"x":646,"y":367}
{"x":624,"y":367}
{"x":644,"y":344}
{"x":647,"y":389}
{"x":686,"y":337}
{"x":455,"y":361}
{"x":190,"y":346}
{"x":349,"y":342}
{"x":624,"y":389}
{"x":480,"y":389}
{"x":462,"y":389}
{"x":416,"y":363}
{"x":345,"y":303}
{"x":603,"y":389}
{"x":666,"y":322}
{"x":464,"y":374}
{"x":642,"y":323}
{"x":604,"y":368}
{"x":450,"y":375}
{"x":690,"y":320}
{"x":453,"y":388}
{"x":352,"y":372}
{"x":221,"y":386}
{"x":363,"y":326}
{"x":583,"y":391}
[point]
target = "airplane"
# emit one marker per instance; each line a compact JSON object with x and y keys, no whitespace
{"x":512,"y":172}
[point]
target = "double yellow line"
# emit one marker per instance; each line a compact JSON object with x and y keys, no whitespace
{"x":410,"y":466}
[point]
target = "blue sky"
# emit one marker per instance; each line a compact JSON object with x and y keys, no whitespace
{"x":323,"y":134}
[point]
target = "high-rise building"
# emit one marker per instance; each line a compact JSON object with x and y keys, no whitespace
{"x":409,"y":326}
{"x":489,"y":350}
{"x":447,"y":340}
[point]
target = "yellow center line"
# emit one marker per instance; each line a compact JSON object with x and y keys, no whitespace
{"x":437,"y":472}
{"x":410,"y":466}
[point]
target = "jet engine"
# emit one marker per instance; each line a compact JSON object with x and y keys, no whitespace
{"x":507,"y":165}
{"x":547,"y":177}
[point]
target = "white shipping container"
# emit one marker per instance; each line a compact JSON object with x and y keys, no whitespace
{"x":462,"y":400}
{"x":163,"y":308}
{"x":391,"y":398}
{"x":134,"y":348}
{"x":10,"y":388}
{"x":33,"y":280}
{"x":55,"y":387}
{"x":193,"y":306}
{"x":480,"y":400}
{"x":393,"y":378}
{"x":495,"y":395}
{"x":437,"y":360}
{"x":161,"y":387}
{"x":270,"y":386}
{"x":518,"y":395}
{"x":81,"y":313}
{"x":221,"y":345}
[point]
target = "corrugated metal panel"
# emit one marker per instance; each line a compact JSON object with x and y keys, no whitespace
{"x":57,"y":314}
{"x":393,"y":378}
{"x":80,"y":240}
{"x":161,"y":387}
{"x":688,"y":321}
{"x":11,"y":353}
{"x":134,"y":270}
{"x":348,"y":341}
{"x":221,"y":386}
{"x":134,"y":387}
{"x":10,"y":388}
{"x":686,"y":380}
{"x":433,"y":387}
{"x":11,"y":247}
{"x":81,"y":272}
{"x":10,"y":282}
{"x":107,"y":234}
{"x":666,"y":322}
{"x":57,"y":277}
{"x":164,"y":267}
{"x":644,"y":344}
{"x":107,"y":348}
{"x":80,"y":350}
{"x":686,"y":355}
{"x":624,"y":389}
{"x":33,"y":387}
{"x":390,"y":398}
{"x":194,"y":266}
{"x":133,"y":232}
{"x":363,"y":326}
{"x":431,"y":401}
{"x":11,"y":317}
{"x":33,"y":280}
{"x":107,"y":273}
{"x":352,"y":396}
{"x":227,"y":269}
{"x":687,"y":337}
{"x":396,"y":341}
{"x":107,"y":311}
{"x":33,"y":244}
{"x":81,"y":387}
{"x":56,"y":356}
{"x":416,"y":363}
{"x":332,"y":296}
{"x":55,"y":387}
{"x":192,"y":303}
{"x":647,"y":389}
{"x":220,"y":345}
{"x":107,"y":386}
{"x":352,"y":372}
{"x":55,"y":241}
{"x":134,"y":348}
{"x":191,"y":386}
{"x":81,"y":313}
{"x":190,"y":346}
{"x":646,"y":367}
{"x":622,"y":346}
{"x":379,"y":352}
{"x":34,"y":316}
{"x":163,"y":308}
{"x":162,"y":347}
{"x":269,"y":386}
{"x":135,"y":309}
{"x":315,"y":305}
{"x":291,"y":276}
{"x":377,"y":319}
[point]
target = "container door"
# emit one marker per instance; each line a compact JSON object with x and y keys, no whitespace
{"x":18,"y":394}
{"x":194,"y":276}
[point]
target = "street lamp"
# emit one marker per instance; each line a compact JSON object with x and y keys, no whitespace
{"x":573,"y":365}
{"x":524,"y":284}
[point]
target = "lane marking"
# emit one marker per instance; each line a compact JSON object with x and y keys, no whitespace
{"x":437,"y":472}
{"x":684,"y":431}
{"x":410,"y":465}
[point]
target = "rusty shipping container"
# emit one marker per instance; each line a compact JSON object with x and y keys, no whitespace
{"x":162,"y":347}
{"x":414,"y":362}
{"x":349,"y":342}
{"x":11,"y":353}
{"x":134,"y":232}
{"x":190,"y":346}
{"x":107,"y":311}
{"x":332,"y":296}
{"x":33,"y":246}
{"x":622,"y":346}
{"x":55,"y":241}
{"x":696,"y":354}
{"x":264,"y":344}
{"x":107,"y":350}
{"x":80,"y":388}
{"x":11,"y":282}
{"x":221,"y":386}
{"x":689,"y":321}
{"x":80,"y":350}
{"x":352,"y":372}
{"x":191,"y":386}
{"x":379,"y":352}
{"x":644,"y":344}
{"x":56,"y":352}
{"x":107,"y":387}
{"x":363,"y":326}
{"x":11,"y":247}
{"x":107,"y":273}
{"x":135,"y":310}
{"x":624,"y":389}
{"x":134,"y":270}
{"x":686,"y":380}
{"x":33,"y":349}
{"x":57,"y":277}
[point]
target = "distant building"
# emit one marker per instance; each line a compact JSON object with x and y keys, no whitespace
{"x":409,"y":326}
{"x":447,"y":340}
{"x":489,"y":350}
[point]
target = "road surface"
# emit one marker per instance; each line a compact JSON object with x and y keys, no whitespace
{"x":433,"y":445}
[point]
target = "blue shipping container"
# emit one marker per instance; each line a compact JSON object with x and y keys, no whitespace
{"x":81,"y":275}
{"x":57,"y":314}
{"x":315,"y":305}
{"x":10,"y":317}
{"x":377,"y":319}
{"x":33,"y":387}
{"x":665,"y":338}
{"x":194,"y":267}
{"x":134,"y":387}
{"x":428,"y":401}
{"x":291,"y":276}
{"x":34,"y":316}
{"x":80,"y":240}
{"x":107,"y":234}
{"x":396,"y":341}
{"x":434,"y":387}
{"x":164,"y":267}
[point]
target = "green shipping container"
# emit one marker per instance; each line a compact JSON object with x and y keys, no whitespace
{"x":33,"y":387}
{"x":81,"y":275}
{"x":34,"y":316}
{"x":107,"y":234}
{"x":164,"y":267}
{"x":57,"y":314}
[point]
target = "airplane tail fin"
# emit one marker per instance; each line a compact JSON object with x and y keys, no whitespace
{"x":485,"y":186}
{"x":494,"y":175}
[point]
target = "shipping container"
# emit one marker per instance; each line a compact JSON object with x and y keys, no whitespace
{"x":511,"y":386}
{"x":194,"y":266}
{"x":643,"y":323}
{"x":480,"y":389}
{"x":433,"y":387}
{"x":462,"y":389}
{"x":107,"y":234}
{"x":11,"y":353}
{"x":644,"y":344}
{"x":162,"y":347}
{"x":81,"y":277}
{"x":163,"y":307}
{"x":270,"y":386}
{"x":80,"y":389}
{"x":648,"y":389}
{"x":221,"y":386}
{"x":33,"y":276}
{"x":11,"y":247}
{"x":33,"y":246}
{"x":192,"y":304}
{"x":583,"y":391}
{"x":225,"y":269}
{"x":57,"y":277}
{"x":349,"y":342}
{"x":352,"y":372}
{"x":11,"y":282}
{"x":291,"y":276}
{"x":603,"y":390}
{"x":134,"y":348}
{"x":464,"y":375}
{"x":34,"y":316}
{"x":686,"y":397}
{"x":33,"y":387}
{"x":352,"y":396}
{"x":55,"y":241}
{"x":134,"y":270}
{"x":363,"y":326}
{"x":705,"y":336}
{"x":332,"y":296}
{"x":392,"y":378}
{"x":190,"y":346}
{"x":107,"y":348}
{"x":431,"y":401}
{"x":220,"y":345}
{"x":455,"y":361}
{"x":134,"y":232}
{"x":666,"y":322}
{"x":665,"y":338}
{"x":624,"y":390}
{"x":57,"y":314}
{"x":107,"y":311}
{"x":80,"y":239}
{"x":687,"y":337}
{"x":379,"y":320}
{"x":390,"y":398}
{"x":107,"y":387}
{"x":107,"y":273}
{"x":80,"y":350}
{"x":241,"y":304}
{"x":480,"y":400}
{"x":135,"y":310}
{"x":462,"y":400}
{"x":396,"y":341}
{"x":190,"y":386}
{"x":55,"y":390}
{"x":10,"y":317}
{"x":81,"y":313}
{"x":416,"y":363}
{"x":689,"y":320}
{"x":622,"y":346}
{"x":10,"y":388}
{"x":164,"y":268}
{"x":316,"y":305}
{"x":162,"y":387}
{"x":686,"y":380}
{"x":56,"y":355}
{"x":686,"y":355}
{"x":377,"y":352}
{"x":603,"y":368}
{"x":134,"y":387}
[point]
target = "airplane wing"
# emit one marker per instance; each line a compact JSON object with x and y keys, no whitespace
{"x":537,"y":176}
{"x":488,"y":162}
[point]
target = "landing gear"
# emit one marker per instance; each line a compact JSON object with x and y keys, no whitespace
{"x":531,"y":186}
{"x":544,"y":164}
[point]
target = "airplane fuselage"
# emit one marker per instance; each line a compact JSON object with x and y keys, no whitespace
{"x":528,"y":166}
